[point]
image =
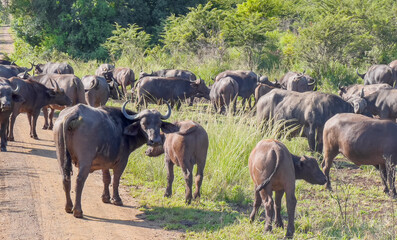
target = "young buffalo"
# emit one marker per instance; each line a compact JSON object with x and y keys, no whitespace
{"x":273,"y":168}
{"x":186,"y":146}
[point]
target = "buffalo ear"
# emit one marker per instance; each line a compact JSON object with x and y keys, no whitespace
{"x":132,"y":129}
{"x":194,"y":84}
{"x":17,"y":98}
{"x":167,"y":127}
{"x":51,"y":92}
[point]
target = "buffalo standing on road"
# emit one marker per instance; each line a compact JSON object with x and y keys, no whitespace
{"x":364,"y":141}
{"x":247,"y":82}
{"x":223,"y":92}
{"x":379,"y":74}
{"x":102,"y":138}
{"x":8,"y":97}
{"x":273,"y":168}
{"x":36,"y":96}
{"x":60,"y":68}
{"x":153,"y":89}
{"x":185,"y":147}
{"x":309,"y":109}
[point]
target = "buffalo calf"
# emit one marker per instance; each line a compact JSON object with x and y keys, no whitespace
{"x":273,"y":168}
{"x":223,"y":92}
{"x":185,"y":147}
{"x":364,"y":141}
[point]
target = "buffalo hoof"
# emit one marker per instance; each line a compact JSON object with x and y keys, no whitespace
{"x":393,"y":195}
{"x":105,"y":199}
{"x":118,"y":202}
{"x":50,"y":127}
{"x":188,"y":201}
{"x":78,"y":213}
{"x":167,"y":195}
{"x":279,"y":224}
{"x":3,"y":149}
{"x":69,"y":209}
{"x":45,"y":127}
{"x":268,"y":228}
{"x":196,"y":195}
{"x":11,"y":139}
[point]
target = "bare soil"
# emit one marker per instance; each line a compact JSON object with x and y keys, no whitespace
{"x":32,"y":198}
{"x":6,"y":42}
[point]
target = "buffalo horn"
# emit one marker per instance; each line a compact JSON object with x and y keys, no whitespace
{"x":30,"y":69}
{"x":360,"y":75}
{"x":312,"y":82}
{"x":168,"y":114}
{"x":362,"y":93}
{"x":16,"y":90}
{"x":129,"y":117}
{"x":340,"y":86}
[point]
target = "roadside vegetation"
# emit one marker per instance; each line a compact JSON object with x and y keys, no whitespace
{"x":329,"y":39}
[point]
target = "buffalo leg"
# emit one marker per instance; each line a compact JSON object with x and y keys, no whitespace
{"x":256,"y":205}
{"x":267,"y":199}
{"x":187,"y":174}
{"x":170,"y":177}
{"x":45,"y":114}
{"x":277,"y":205}
{"x":3,"y":135}
{"x":391,"y":176}
{"x":11,"y":125}
{"x":51,"y":118}
{"x":81,"y":177}
{"x":34,"y":116}
{"x":383,"y":175}
{"x":326,"y":165}
{"x":291,"y":204}
{"x":106,"y":182}
{"x":198,"y":180}
{"x":66,"y":188}
{"x":116,"y":182}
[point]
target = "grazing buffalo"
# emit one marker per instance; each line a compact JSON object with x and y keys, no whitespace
{"x":273,"y":168}
{"x":223,"y":92}
{"x":124,"y":77}
{"x":356,"y":90}
{"x":185,"y":147}
{"x":364,"y":141}
{"x":9,"y":71}
{"x":36,"y":96}
{"x":310,"y":110}
{"x":8,"y":96}
{"x":383,"y":103}
{"x":186,"y":74}
{"x":103,"y":69}
{"x":379,"y":74}
{"x":97,"y":91}
{"x":60,"y":68}
{"x":102,"y":138}
{"x":298,"y":82}
{"x":153,"y":89}
{"x":70,"y":84}
{"x":261,"y":90}
{"x":247,"y":82}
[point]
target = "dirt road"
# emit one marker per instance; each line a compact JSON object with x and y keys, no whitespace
{"x":32,"y":199}
{"x":6,"y":42}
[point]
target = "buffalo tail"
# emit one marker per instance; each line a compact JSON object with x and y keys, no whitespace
{"x":267,"y":180}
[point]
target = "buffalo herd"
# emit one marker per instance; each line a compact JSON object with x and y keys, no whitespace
{"x":360,"y":123}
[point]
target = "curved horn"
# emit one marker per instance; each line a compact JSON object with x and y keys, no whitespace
{"x":314,"y":82}
{"x":16,"y":90}
{"x":129,"y":117}
{"x":303,"y":71}
{"x":30,"y":69}
{"x":340,"y":86}
{"x":56,"y":87}
{"x":360,"y":75}
{"x":168,"y":114}
{"x":362,"y":93}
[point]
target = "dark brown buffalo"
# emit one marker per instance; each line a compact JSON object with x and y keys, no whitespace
{"x":9,"y":71}
{"x":186,"y":74}
{"x":155,"y":89}
{"x":70,"y":84}
{"x":261,"y":90}
{"x":36,"y":96}
{"x":185,"y":147}
{"x":273,"y":168}
{"x":102,"y":139}
{"x":60,"y":68}
{"x":309,"y":110}
{"x":379,"y":74}
{"x":8,"y":96}
{"x":364,"y":141}
{"x":247,"y":82}
{"x":223,"y":92}
{"x":298,"y":82}
{"x":97,"y":91}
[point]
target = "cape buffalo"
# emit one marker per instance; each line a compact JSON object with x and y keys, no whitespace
{"x":186,"y":74}
{"x":273,"y":168}
{"x":102,"y":138}
{"x":8,"y":96}
{"x":265,"y":80}
{"x":60,"y":68}
{"x":153,"y":89}
{"x":383,"y":103}
{"x":36,"y":96}
{"x":379,"y":74}
{"x":261,"y":90}
{"x":364,"y":141}
{"x":356,"y":90}
{"x":308,"y":109}
{"x":9,"y":71}
{"x":247,"y":82}
{"x":70,"y":84}
{"x":223,"y":92}
{"x":185,"y":147}
{"x":103,"y":69}
{"x":298,"y":82}
{"x":96,"y":89}
{"x":124,"y":77}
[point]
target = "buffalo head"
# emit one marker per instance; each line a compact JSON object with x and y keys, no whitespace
{"x":201,"y":89}
{"x":8,"y":95}
{"x":307,"y":168}
{"x":149,"y":122}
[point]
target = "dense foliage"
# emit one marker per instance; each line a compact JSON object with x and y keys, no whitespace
{"x":327,"y":38}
